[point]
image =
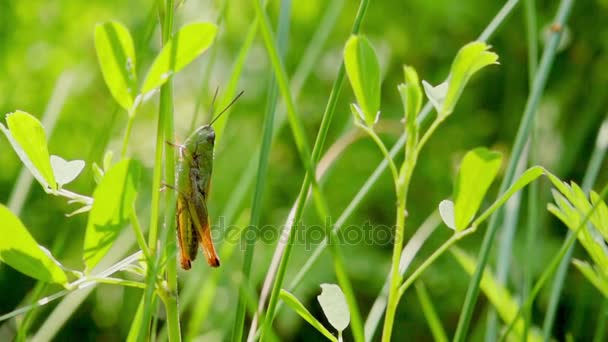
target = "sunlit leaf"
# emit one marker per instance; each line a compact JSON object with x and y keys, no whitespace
{"x":301,"y":310}
{"x":20,"y":251}
{"x":112,"y":202}
{"x":27,"y":137}
{"x":363,"y":71}
{"x":116,"y":57}
{"x":65,"y":171}
{"x":187,"y":44}
{"x":334,"y":306}
{"x":470,"y":59}
{"x":477,"y":171}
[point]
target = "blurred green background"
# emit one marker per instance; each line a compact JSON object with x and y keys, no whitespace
{"x":47,"y":47}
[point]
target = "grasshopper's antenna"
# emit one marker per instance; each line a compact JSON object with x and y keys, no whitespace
{"x":225,"y":109}
{"x":211,"y":108}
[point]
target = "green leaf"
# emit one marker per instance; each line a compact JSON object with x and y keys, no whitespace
{"x":591,"y":273}
{"x":411,"y":96}
{"x":334,"y":306}
{"x":20,"y":251}
{"x":65,"y":171}
{"x":526,"y":178}
{"x":470,"y":59}
{"x":116,"y":57}
{"x":478,"y":169}
{"x":363,"y":71}
{"x":112,"y":202}
{"x":301,"y":310}
{"x":187,"y":44}
{"x":497,"y":294}
{"x":26,"y":135}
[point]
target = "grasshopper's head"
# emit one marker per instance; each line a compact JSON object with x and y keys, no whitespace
{"x":205,"y":135}
{"x":201,"y":142}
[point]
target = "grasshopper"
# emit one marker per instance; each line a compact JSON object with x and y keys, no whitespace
{"x":193,"y":180}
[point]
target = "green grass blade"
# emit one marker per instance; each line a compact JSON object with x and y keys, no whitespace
{"x":271,"y":104}
{"x":430,"y":313}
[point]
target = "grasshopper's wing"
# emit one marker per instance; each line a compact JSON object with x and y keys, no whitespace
{"x":200,"y":218}
{"x":187,"y":235}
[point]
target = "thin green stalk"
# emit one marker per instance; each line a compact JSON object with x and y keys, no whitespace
{"x":117,"y":281}
{"x":427,"y":134}
{"x":533,"y":224}
{"x":254,"y":221}
{"x":309,"y":179}
{"x":139,"y":235}
{"x":170,"y":302}
{"x":385,"y":153}
{"x":166,"y":118}
{"x":430,"y":313}
{"x":533,"y":191}
{"x":131,"y":117}
{"x":591,"y":173}
{"x":164,"y":130}
{"x":402,"y":182}
{"x":431,"y":259}
{"x":522,"y":135}
{"x":505,"y":250}
{"x":393,"y":294}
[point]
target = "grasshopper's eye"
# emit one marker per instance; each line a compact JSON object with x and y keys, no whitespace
{"x":211,"y":137}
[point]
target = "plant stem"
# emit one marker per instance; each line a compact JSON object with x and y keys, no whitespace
{"x":402,"y":182}
{"x":393,"y":294}
{"x":139,"y":235}
{"x":166,"y":119}
{"x":385,"y":152}
{"x":436,"y":254}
